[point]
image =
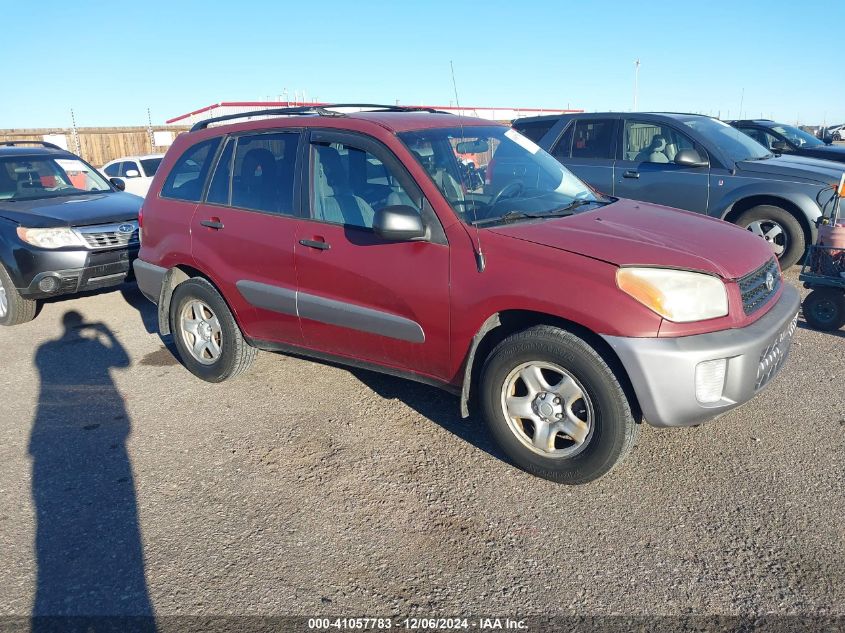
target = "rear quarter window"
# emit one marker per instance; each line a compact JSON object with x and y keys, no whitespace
{"x":535,"y":130}
{"x":187,"y":176}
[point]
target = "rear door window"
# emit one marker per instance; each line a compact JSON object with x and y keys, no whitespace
{"x":593,"y":138}
{"x":263,"y":172}
{"x":187,"y":176}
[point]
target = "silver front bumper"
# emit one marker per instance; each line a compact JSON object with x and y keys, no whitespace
{"x":662,"y":370}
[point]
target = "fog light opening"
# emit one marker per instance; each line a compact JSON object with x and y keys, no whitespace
{"x":710,"y":380}
{"x":48,"y":284}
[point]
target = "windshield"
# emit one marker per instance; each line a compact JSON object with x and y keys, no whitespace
{"x":736,"y":144}
{"x":28,"y":177}
{"x":150,"y":165}
{"x":796,"y":136}
{"x":488,"y":172}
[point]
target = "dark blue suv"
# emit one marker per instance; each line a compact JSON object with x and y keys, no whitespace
{"x":696,"y":163}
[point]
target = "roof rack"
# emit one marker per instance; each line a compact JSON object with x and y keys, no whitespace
{"x":26,"y":142}
{"x":324,"y":109}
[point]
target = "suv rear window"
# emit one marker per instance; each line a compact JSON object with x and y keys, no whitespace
{"x":187,"y":177}
{"x":535,"y":130}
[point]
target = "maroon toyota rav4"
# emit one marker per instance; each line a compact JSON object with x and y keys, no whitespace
{"x":382,"y":238}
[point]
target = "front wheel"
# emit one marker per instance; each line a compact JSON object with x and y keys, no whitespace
{"x":207,"y":337}
{"x":555,"y":407}
{"x":824,"y":309}
{"x":14,"y":309}
{"x":779,"y":228}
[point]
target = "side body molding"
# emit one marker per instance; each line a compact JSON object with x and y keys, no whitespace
{"x":330,"y":311}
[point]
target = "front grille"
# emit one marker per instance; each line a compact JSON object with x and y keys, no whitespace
{"x":755,"y":289}
{"x":110,"y":235}
{"x":774,"y":355}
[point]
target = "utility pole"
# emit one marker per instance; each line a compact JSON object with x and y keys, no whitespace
{"x":75,"y":133}
{"x":636,"y":81}
{"x":741,"y":101}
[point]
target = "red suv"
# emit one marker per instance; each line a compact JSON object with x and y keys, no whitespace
{"x":376,"y":238}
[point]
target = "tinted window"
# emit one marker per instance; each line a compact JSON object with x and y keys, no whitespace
{"x":150,"y":165}
{"x":593,"y":138}
{"x":128,"y":166}
{"x":535,"y":130}
{"x":113,"y":170}
{"x":187,"y":177}
{"x":757,"y":134}
{"x":649,"y":142}
{"x":563,"y":148}
{"x":262,"y":174}
{"x":218,"y":190}
{"x":349,"y":185}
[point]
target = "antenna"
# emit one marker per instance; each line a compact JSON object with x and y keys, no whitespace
{"x":479,"y":254}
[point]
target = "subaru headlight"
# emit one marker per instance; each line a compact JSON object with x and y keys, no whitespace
{"x":678,"y":295}
{"x":50,"y":238}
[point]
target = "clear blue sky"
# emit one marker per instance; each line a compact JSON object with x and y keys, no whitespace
{"x":110,"y":61}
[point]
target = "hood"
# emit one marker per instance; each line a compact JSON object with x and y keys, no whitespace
{"x":96,"y":208}
{"x":827,"y":152}
{"x":812,"y":169}
{"x":629,"y":233}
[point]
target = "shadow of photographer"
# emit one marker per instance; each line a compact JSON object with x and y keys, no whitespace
{"x":88,"y":542}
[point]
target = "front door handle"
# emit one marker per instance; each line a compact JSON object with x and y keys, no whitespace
{"x":214,"y":223}
{"x":318,"y":244}
{"x":631,"y":174}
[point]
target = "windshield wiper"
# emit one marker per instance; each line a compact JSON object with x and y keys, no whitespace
{"x":571,"y":207}
{"x":510,"y":216}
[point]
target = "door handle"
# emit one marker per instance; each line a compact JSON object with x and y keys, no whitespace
{"x":214,"y":223}
{"x":318,"y":244}
{"x":631,"y":174}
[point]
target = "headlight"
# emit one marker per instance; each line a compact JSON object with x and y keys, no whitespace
{"x":50,"y":238}
{"x":677,"y":295}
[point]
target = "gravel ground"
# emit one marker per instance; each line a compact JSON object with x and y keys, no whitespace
{"x":304,"y":488}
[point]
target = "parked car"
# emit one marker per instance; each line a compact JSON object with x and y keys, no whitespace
{"x":696,"y":163}
{"x":562,"y":314}
{"x":136,"y":171}
{"x":64,"y":228}
{"x":780,"y":138}
{"x":832,"y":133}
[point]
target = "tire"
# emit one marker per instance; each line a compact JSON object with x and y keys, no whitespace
{"x":222,"y":351}
{"x":14,"y":309}
{"x":588,"y":390}
{"x":780,"y":228}
{"x":824,"y":309}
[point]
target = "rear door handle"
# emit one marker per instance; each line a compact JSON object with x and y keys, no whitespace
{"x":631,"y":174}
{"x":318,"y":244}
{"x":212,"y":224}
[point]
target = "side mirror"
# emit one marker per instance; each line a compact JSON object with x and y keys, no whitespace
{"x":132,"y":173}
{"x":118,"y":183}
{"x":398,"y":223}
{"x":690,"y":158}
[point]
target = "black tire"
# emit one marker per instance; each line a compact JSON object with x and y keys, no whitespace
{"x":793,"y":239}
{"x":613,"y":428}
{"x":18,"y":309}
{"x":235,"y":355}
{"x":824,"y":309}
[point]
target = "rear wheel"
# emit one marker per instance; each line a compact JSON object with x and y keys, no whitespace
{"x":824,"y":309}
{"x":779,"y":228}
{"x":207,"y":337}
{"x":555,"y":407}
{"x":14,"y":309}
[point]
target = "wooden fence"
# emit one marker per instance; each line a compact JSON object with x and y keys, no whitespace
{"x":99,"y":145}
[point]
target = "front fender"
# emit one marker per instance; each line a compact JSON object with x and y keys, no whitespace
{"x":803,"y":197}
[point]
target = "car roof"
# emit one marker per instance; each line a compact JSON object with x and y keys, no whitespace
{"x":763,"y":122}
{"x":136,"y":157}
{"x":584,"y":115}
{"x":34,"y":150}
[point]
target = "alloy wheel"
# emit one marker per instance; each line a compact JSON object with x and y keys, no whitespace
{"x":201,"y":332}
{"x":773,"y":233}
